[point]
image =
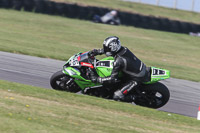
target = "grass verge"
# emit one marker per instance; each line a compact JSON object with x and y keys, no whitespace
{"x":59,"y":38}
{"x":31,"y":109}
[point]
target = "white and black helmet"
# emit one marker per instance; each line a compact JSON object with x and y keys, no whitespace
{"x":111,"y":45}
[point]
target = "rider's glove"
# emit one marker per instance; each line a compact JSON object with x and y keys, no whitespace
{"x":93,"y":52}
{"x":105,"y":80}
{"x":96,"y":80}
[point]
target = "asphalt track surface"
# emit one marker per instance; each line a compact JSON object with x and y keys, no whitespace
{"x":35,"y":71}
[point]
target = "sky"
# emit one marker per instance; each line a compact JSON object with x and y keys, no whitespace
{"x":180,"y":4}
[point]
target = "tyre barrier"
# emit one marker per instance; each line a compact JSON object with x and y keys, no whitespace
{"x":6,"y":3}
{"x":87,"y":13}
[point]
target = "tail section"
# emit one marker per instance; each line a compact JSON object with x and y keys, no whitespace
{"x":158,"y":74}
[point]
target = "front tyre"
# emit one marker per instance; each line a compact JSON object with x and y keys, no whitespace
{"x":153,"y":95}
{"x":61,"y":81}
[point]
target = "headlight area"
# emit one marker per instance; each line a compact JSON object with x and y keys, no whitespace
{"x":70,"y":71}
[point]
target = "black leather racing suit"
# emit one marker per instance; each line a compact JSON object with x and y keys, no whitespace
{"x":133,"y":69}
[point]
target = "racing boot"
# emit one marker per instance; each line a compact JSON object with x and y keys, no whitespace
{"x":122,"y":95}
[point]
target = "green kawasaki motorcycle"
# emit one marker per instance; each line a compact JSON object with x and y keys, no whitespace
{"x":75,"y":77}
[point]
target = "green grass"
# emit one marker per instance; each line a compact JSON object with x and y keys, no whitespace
{"x":141,"y":9}
{"x":30,"y":109}
{"x":59,"y":38}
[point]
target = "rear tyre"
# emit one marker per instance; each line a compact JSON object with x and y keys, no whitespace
{"x":153,"y":95}
{"x":61,"y":81}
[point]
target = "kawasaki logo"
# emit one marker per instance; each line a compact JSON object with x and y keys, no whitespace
{"x":86,"y":64}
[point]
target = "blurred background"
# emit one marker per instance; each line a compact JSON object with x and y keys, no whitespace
{"x":189,"y":5}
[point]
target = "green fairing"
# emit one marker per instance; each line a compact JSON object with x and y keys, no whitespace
{"x":107,"y":58}
{"x":81,"y":82}
{"x":105,"y":71}
{"x":157,"y":74}
{"x":71,"y":58}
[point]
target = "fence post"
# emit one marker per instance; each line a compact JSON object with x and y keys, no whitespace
{"x":158,"y":2}
{"x":193,"y":1}
{"x":175,"y":3}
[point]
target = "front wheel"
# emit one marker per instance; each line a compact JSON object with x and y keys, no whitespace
{"x":61,"y":81}
{"x":153,"y":95}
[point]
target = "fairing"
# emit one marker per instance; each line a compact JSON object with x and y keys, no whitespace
{"x":158,"y":74}
{"x":103,"y":68}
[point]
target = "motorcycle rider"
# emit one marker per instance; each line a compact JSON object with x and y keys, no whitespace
{"x":133,"y":69}
{"x":109,"y":18}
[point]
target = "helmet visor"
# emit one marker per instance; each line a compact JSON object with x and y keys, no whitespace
{"x":106,"y":49}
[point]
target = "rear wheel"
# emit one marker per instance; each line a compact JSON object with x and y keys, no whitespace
{"x":153,"y":95}
{"x":61,"y":81}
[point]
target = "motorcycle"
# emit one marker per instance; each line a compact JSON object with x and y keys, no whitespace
{"x":115,"y":21}
{"x":75,"y":77}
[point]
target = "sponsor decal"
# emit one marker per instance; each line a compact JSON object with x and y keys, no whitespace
{"x":103,"y":64}
{"x":87,"y":64}
{"x":158,"y":72}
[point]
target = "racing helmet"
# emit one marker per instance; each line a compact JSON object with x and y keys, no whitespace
{"x":111,"y":45}
{"x":114,"y":13}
